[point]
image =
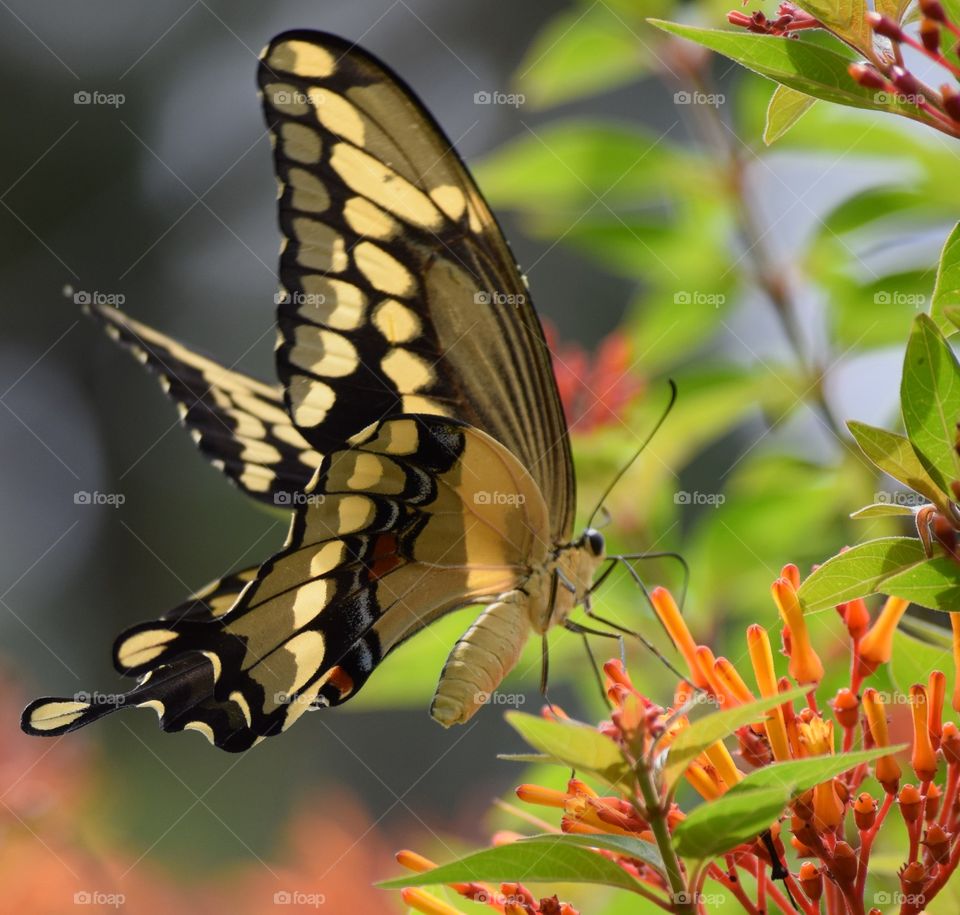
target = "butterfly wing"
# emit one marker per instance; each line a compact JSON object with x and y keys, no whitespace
{"x":396,"y":531}
{"x":239,"y":424}
{"x":399,"y":292}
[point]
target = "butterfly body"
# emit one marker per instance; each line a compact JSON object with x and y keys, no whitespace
{"x":416,"y":438}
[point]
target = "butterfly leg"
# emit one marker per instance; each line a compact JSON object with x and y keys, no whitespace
{"x":483,"y":656}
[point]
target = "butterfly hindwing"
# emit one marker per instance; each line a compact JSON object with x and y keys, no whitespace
{"x":239,"y":424}
{"x":399,"y":292}
{"x":395,"y":531}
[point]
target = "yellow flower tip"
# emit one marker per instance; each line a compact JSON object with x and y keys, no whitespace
{"x":545,"y":797}
{"x":422,"y":901}
{"x":936,"y":690}
{"x":705,"y":665}
{"x":730,"y":678}
{"x":414,"y":862}
{"x":816,"y":736}
{"x":669,"y":615}
{"x":791,"y":573}
{"x":761,"y":658}
{"x":722,"y":761}
{"x":703,"y":780}
{"x":876,"y":647}
{"x":886,"y":768}
{"x":805,"y":665}
{"x":923,"y":759}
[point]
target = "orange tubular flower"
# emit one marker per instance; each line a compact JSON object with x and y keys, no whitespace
{"x":924,"y":758}
{"x":669,"y":614}
{"x":732,"y":682}
{"x":876,"y":647}
{"x":723,"y":762}
{"x":887,"y":768}
{"x":805,"y":665}
{"x":704,"y":782}
{"x":422,"y":901}
{"x":955,"y":625}
{"x":936,"y":688}
{"x":761,"y":657}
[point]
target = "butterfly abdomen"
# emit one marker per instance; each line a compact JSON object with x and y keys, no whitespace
{"x":486,"y":653}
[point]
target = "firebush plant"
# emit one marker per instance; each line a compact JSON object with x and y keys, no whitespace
{"x":758,"y":783}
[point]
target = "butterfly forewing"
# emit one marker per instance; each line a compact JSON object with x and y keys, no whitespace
{"x":400,"y":293}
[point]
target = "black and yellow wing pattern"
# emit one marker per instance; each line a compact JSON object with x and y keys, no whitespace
{"x":411,"y":358}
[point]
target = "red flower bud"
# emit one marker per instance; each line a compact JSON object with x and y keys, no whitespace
{"x":930,"y":35}
{"x":865,"y":811}
{"x":844,"y":863}
{"x":884,"y":25}
{"x":846,"y":708}
{"x":933,"y":10}
{"x":910,"y":802}
{"x":938,"y":843}
{"x":867,"y":76}
{"x":811,"y":879}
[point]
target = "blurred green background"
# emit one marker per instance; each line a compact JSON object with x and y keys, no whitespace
{"x":775,"y":285}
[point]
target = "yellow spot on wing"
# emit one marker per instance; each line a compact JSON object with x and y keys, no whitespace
{"x":450,"y":199}
{"x":53,"y":715}
{"x":383,"y":270}
{"x":308,"y":649}
{"x":200,"y":726}
{"x":300,"y":143}
{"x":409,"y":372}
{"x":367,"y":219}
{"x":244,"y":706}
{"x":338,"y":115}
{"x":144,"y":646}
{"x":303,"y":58}
{"x":396,"y":322}
{"x":354,"y":513}
{"x":309,"y":600}
{"x":286,"y":98}
{"x":309,"y":400}
{"x":323,"y":352}
{"x":327,"y":558}
{"x":321,"y":247}
{"x":334,"y":302}
{"x":309,"y":192}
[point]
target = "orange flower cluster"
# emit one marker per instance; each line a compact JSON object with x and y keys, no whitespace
{"x":510,"y":898}
{"x":832,"y":827}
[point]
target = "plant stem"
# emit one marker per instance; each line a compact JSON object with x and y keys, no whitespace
{"x":656,"y":815}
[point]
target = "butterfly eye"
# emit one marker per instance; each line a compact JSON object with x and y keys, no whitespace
{"x":594,"y":541}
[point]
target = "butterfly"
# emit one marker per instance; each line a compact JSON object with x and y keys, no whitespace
{"x":416,"y":436}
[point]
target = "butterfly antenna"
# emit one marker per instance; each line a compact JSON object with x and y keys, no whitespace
{"x":638,"y":452}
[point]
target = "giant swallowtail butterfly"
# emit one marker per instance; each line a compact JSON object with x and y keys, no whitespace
{"x":417,"y":434}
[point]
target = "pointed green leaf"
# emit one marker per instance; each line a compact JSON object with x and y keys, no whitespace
{"x":786,"y":107}
{"x":859,"y":571}
{"x":946,"y":292}
{"x":913,"y":658}
{"x":952,"y":314}
{"x":543,"y":859}
{"x":934,"y":583}
{"x":693,"y":740}
{"x":621,"y":845}
{"x":800,"y":774}
{"x":894,"y":9}
{"x":894,"y":455}
{"x":714,"y":828}
{"x":577,"y":745}
{"x":800,"y":65}
{"x":881,"y":510}
{"x":930,"y":401}
{"x":846,"y":18}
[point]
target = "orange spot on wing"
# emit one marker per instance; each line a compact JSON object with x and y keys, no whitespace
{"x":342,"y":681}
{"x":386,"y":556}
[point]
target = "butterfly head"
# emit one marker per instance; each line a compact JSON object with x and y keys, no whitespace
{"x":592,"y":541}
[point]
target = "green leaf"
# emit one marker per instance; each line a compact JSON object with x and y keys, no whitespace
{"x":799,"y":65}
{"x":846,"y":18}
{"x":930,"y":401}
{"x":786,"y":107}
{"x":621,"y":845}
{"x":800,"y":774}
{"x":934,"y":583}
{"x":952,"y":314}
{"x":859,"y":571}
{"x":881,"y":510}
{"x":580,"y":53}
{"x":753,"y":804}
{"x":693,"y":740}
{"x":715,"y":828}
{"x":894,"y":455}
{"x":574,"y":744}
{"x":894,"y":9}
{"x":542,"y":859}
{"x":946,"y":292}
